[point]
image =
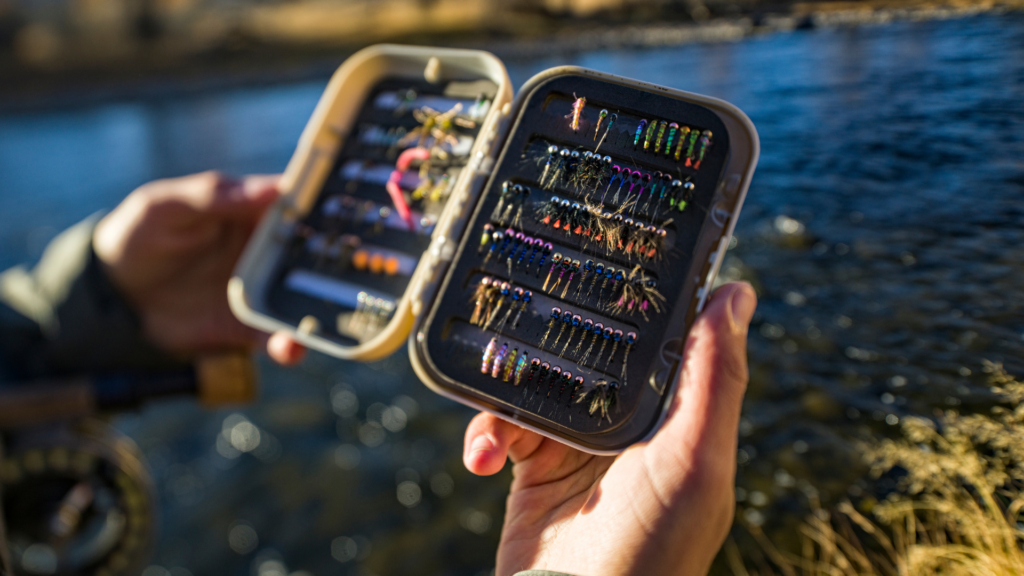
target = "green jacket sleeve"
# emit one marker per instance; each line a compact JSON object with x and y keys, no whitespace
{"x":64,"y":316}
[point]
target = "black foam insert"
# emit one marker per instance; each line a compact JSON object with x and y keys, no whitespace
{"x":456,"y":347}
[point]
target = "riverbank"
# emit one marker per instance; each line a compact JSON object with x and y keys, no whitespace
{"x":276,"y":56}
{"x":800,"y":16}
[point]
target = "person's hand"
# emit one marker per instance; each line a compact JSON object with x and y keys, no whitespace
{"x":170,"y":248}
{"x":660,"y":507}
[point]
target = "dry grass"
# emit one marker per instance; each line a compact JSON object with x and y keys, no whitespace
{"x":956,"y":510}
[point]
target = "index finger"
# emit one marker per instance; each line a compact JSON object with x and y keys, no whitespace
{"x":213,"y":193}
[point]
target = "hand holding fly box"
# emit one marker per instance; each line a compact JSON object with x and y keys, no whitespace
{"x":545,"y":259}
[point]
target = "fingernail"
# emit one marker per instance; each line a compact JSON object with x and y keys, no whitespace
{"x":481,"y":444}
{"x":741,"y":308}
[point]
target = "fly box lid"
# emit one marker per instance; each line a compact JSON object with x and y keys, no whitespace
{"x":389,"y":148}
{"x":569,"y":257}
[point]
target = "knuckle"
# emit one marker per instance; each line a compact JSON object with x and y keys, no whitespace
{"x":730,"y":361}
{"x":210,"y":180}
{"x":146,"y":192}
{"x":735,"y":370}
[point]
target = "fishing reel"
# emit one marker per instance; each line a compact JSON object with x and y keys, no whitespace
{"x":77,"y":499}
{"x":77,"y":496}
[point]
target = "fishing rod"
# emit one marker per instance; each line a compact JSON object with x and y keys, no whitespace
{"x":77,"y":497}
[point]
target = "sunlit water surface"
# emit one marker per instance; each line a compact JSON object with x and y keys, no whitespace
{"x":883,"y":232}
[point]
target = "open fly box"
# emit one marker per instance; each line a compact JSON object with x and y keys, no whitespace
{"x":544,"y":258}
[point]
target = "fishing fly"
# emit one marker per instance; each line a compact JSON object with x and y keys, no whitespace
{"x":705,"y":143}
{"x":601,"y":397}
{"x":565,"y":381}
{"x":576,"y":321}
{"x":651,"y":128}
{"x":480,"y":297}
{"x":661,"y":134}
{"x":556,"y":374}
{"x":497,"y":236}
{"x":616,"y":172}
{"x":645,"y":181}
{"x":558,"y":170}
{"x":506,"y":373}
{"x":489,"y":351}
{"x":631,"y":338}
{"x":485,"y":238}
{"x":606,"y":336}
{"x":639,"y":132}
{"x":600,"y":117}
{"x":573,"y":269}
{"x":437,"y":125}
{"x":588,"y":327}
{"x":521,"y":365}
{"x":501,"y":296}
{"x":566,"y":321}
{"x":552,"y":159}
{"x":658,"y":179}
{"x":691,"y":145}
{"x":527,"y":297}
{"x":577,"y":113}
{"x":578,"y":383}
{"x":534,"y":366}
{"x":563,"y":267}
{"x":638,"y":293}
{"x":588,"y":267}
{"x":556,"y":315}
{"x":440,"y":188}
{"x":555,"y":261}
{"x":682,"y":195}
{"x":611,"y":122}
{"x":616,"y":338}
{"x":499,"y":358}
{"x":597,"y":331}
{"x":545,"y":370}
{"x":672,"y":129}
{"x":683,"y":133}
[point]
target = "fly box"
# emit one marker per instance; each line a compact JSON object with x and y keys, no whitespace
{"x":544,"y":259}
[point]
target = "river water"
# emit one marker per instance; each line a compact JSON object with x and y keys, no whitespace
{"x":883,"y":232}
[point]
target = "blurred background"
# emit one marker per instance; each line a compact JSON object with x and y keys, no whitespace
{"x":883,"y":233}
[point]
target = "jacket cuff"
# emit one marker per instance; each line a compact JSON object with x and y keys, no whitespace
{"x":80,"y":321}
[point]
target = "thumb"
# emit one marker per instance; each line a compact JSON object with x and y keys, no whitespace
{"x":702,"y":423}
